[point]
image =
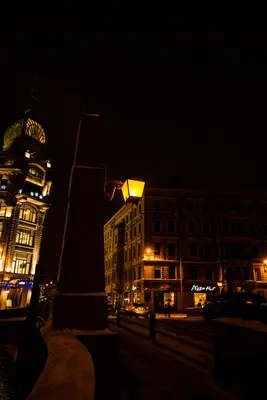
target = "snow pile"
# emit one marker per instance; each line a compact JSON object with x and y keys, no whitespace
{"x":256,"y":325}
{"x":69,"y":370}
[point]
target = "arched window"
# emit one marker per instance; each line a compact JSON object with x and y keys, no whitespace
{"x":28,"y":213}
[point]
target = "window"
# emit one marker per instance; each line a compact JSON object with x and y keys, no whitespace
{"x":157,"y":273}
{"x":171,"y":249}
{"x":157,"y":226}
{"x":134,"y":231}
{"x":206,"y":227}
{"x":194,"y":272}
{"x":237,"y":273}
{"x":24,"y":236}
{"x":157,"y":249}
{"x":156,"y":204}
{"x":172,"y":272}
{"x":207,"y":251}
{"x":257,"y":274}
{"x":245,"y":273}
{"x":139,"y":272}
{"x":190,"y":207}
{"x":204,"y":207}
{"x":193,"y":249}
{"x":134,"y":252}
{"x":255,"y":251}
{"x":170,"y":226}
{"x":28,"y":213}
{"x":21,"y":263}
{"x":2,"y":209}
{"x":1,"y":228}
{"x":125,"y":276}
{"x":191,"y":227}
{"x":209,"y":273}
{"x":171,"y":205}
{"x":134,"y":274}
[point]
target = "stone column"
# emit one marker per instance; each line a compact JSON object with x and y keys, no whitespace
{"x":81,"y":300}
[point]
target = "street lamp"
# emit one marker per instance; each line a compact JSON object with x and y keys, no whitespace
{"x":132,"y":190}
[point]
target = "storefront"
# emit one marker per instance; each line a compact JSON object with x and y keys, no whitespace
{"x":159,"y":295}
{"x":197,"y":294}
{"x":15,"y":293}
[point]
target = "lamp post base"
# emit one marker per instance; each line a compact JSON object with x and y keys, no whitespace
{"x":80,"y":311}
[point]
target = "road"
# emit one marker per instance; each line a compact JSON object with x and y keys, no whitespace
{"x":146,"y":373}
{"x":195,"y":328}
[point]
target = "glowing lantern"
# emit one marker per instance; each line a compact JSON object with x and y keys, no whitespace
{"x":27,"y":154}
{"x":132,"y":190}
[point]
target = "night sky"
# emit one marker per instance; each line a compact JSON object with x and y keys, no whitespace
{"x":181,"y":108}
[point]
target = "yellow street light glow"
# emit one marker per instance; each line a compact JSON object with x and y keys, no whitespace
{"x":265,"y":262}
{"x":27,"y":154}
{"x":148,"y":250}
{"x":132,"y":190}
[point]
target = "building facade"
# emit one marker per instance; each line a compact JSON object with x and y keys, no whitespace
{"x":185,"y":246}
{"x":24,"y":199}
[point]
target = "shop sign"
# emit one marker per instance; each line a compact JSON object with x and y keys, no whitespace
{"x":197,"y":288}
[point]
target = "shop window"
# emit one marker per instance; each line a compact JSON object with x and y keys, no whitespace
{"x":171,"y":249}
{"x":157,"y":273}
{"x":157,"y":226}
{"x":200,"y":299}
{"x":28,"y":213}
{"x":25,"y":237}
{"x":191,"y":227}
{"x":162,"y":299}
{"x":193,"y":249}
{"x":170,"y":226}
{"x":157,"y":249}
{"x":21,"y":263}
{"x":172,"y":272}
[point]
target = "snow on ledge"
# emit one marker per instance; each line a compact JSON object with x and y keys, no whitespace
{"x":256,"y":325}
{"x":69,"y":370}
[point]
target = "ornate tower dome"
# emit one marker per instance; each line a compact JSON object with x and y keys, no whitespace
{"x":27,"y":127}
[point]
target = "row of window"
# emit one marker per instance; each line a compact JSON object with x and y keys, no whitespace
{"x":21,"y":263}
{"x":27,"y":213}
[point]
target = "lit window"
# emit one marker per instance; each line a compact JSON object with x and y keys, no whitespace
{"x":25,"y":237}
{"x":28,"y":213}
{"x":2,"y":209}
{"x":21,"y":263}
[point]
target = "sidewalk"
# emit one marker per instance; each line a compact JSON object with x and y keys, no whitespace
{"x":173,"y":316}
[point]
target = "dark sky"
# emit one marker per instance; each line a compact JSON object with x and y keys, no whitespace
{"x":181,"y":108}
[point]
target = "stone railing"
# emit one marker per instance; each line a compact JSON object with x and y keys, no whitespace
{"x":69,"y":370}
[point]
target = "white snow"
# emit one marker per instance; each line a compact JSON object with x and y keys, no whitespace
{"x":69,"y":370}
{"x":256,"y":325}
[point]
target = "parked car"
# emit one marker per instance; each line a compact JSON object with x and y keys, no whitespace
{"x":234,"y":305}
{"x":137,"y":309}
{"x":112,"y":310}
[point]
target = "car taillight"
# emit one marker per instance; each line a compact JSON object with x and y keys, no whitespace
{"x":133,"y":308}
{"x":146,"y":308}
{"x":249,"y":302}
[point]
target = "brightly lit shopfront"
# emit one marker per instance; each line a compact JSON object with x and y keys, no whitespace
{"x":198,"y":294}
{"x":164,"y":297}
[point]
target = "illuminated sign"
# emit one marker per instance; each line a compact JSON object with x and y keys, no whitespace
{"x":164,"y":287}
{"x":197,"y":288}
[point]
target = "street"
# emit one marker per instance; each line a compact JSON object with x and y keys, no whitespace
{"x":146,"y":372}
{"x":195,"y":328}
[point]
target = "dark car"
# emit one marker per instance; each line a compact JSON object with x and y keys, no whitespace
{"x":241,"y":305}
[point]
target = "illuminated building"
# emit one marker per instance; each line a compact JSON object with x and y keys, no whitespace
{"x":24,"y":200}
{"x":182,"y":245}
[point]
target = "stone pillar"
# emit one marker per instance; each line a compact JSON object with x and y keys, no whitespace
{"x":81,"y":300}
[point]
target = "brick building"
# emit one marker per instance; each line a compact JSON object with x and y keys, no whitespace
{"x":182,"y":246}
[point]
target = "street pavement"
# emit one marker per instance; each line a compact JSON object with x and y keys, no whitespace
{"x":146,"y":373}
{"x":195,"y":328}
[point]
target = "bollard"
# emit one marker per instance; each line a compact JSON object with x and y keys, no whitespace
{"x":119,"y":316}
{"x":152,"y":335}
